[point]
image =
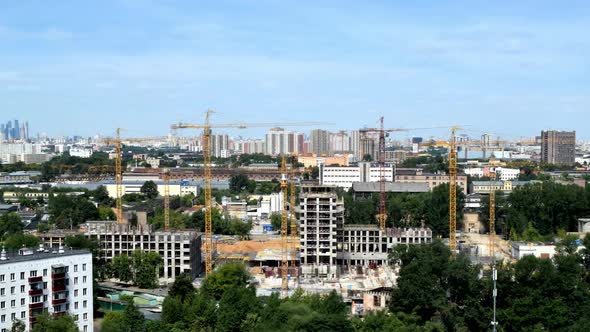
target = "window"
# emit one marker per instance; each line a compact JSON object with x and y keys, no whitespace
{"x":22,"y":301}
{"x":44,"y":298}
{"x":45,"y":272}
{"x":75,"y":292}
{"x":75,"y":305}
{"x":2,"y":318}
{"x":22,"y":288}
{"x":1,"y":278}
{"x":13,"y":316}
{"x":76,"y":268}
{"x":12,"y":278}
{"x":84,"y":291}
{"x":45,"y":285}
{"x":23,"y":314}
{"x":75,"y":280}
{"x":83,"y":267}
{"x":36,"y":299}
{"x":85,"y":328}
{"x":76,"y":317}
{"x":2,"y":305}
{"x":12,"y":290}
{"x":85,"y":316}
{"x":2,"y":291}
{"x":84,"y":304}
{"x":84,"y":279}
{"x":22,"y":276}
{"x":13,"y":303}
{"x":33,"y":273}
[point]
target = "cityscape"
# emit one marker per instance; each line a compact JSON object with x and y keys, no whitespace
{"x":335,"y":206}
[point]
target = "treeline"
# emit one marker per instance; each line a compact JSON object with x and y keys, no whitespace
{"x":407,"y":209}
{"x":533,"y":294}
{"x":545,"y":208}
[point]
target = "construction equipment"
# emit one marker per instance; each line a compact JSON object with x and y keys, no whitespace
{"x":166,"y":199}
{"x":208,"y":244}
{"x":284,"y":228}
{"x":117,"y":141}
{"x":294,"y":228}
{"x":492,"y":207}
{"x":453,"y":192}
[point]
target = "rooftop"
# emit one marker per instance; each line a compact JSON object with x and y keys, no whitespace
{"x":28,"y":254}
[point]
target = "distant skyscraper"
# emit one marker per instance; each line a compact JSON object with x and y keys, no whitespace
{"x":219,"y":144}
{"x":558,"y":147}
{"x":339,"y":142}
{"x":354,"y":144}
{"x":320,"y":142}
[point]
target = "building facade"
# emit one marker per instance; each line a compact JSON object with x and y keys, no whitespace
{"x":279,"y":141}
{"x":558,"y":147}
{"x":320,"y":142}
{"x":180,"y":250}
{"x":321,"y":216}
{"x":36,"y":281}
{"x":432,"y":179}
{"x":344,"y":177}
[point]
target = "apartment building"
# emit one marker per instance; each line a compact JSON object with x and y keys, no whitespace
{"x":558,"y":147}
{"x":175,"y":188}
{"x":36,"y":281}
{"x":179,"y":249}
{"x":502,"y":173}
{"x":321,"y":216}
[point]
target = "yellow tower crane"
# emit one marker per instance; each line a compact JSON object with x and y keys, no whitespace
{"x":294,"y":227}
{"x":208,"y":243}
{"x":166,"y":199}
{"x":492,"y":207}
{"x":284,"y":228}
{"x":453,"y":192}
{"x":118,"y":142}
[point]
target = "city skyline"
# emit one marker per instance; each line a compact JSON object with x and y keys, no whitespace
{"x":500,"y":69}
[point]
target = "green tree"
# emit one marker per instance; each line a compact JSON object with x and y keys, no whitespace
{"x":113,"y":322}
{"x":106,"y":213}
{"x":121,"y":268}
{"x":101,"y":196}
{"x":47,"y":323}
{"x":10,"y":223}
{"x":16,"y":241}
{"x":240,"y":183}
{"x":182,"y":287}
{"x":18,"y":326}
{"x":227,"y":276}
{"x":145,"y":268}
{"x":234,"y":306}
{"x":149,"y":189}
{"x":133,"y":320}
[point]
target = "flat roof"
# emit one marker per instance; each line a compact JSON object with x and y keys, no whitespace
{"x":14,"y":257}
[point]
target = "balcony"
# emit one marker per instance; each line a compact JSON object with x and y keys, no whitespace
{"x":56,"y":276}
{"x":35,"y":279}
{"x":32,"y":319}
{"x":59,"y":301}
{"x":36,"y":305}
{"x":58,"y":288}
{"x":34,"y":292}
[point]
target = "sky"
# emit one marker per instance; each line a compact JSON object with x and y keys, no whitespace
{"x":511,"y":68}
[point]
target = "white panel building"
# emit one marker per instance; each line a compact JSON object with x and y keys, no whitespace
{"x":345,"y":176}
{"x":57,"y":282}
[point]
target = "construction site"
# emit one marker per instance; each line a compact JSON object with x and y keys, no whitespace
{"x":315,"y":249}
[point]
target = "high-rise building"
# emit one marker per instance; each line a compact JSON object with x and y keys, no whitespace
{"x":219,"y":145}
{"x":558,"y":147}
{"x":54,"y":281}
{"x":279,"y":141}
{"x":320,"y":214}
{"x":339,"y":142}
{"x":320,"y":142}
{"x":354,"y":144}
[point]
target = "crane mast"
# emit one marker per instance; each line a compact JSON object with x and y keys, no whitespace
{"x":492,"y":210}
{"x":382,"y":217}
{"x":208,"y":203}
{"x":166,"y":199}
{"x":453,"y":192}
{"x":284,"y":229}
{"x":118,"y":178}
{"x":294,"y":239}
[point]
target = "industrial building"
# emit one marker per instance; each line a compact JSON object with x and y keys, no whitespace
{"x":176,"y":188}
{"x":56,"y":281}
{"x":344,"y":177}
{"x":558,"y":147}
{"x":432,"y":179}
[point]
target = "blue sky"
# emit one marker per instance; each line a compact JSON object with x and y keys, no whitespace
{"x":506,"y":67}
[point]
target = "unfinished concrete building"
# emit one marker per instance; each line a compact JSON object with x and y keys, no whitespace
{"x":321,"y":216}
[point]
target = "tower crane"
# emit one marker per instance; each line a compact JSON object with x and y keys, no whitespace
{"x":207,"y":127}
{"x":166,"y":176}
{"x":382,"y":131}
{"x":294,"y":228}
{"x":118,"y":141}
{"x":492,"y":207}
{"x":284,"y":228}
{"x":453,"y":192}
